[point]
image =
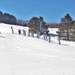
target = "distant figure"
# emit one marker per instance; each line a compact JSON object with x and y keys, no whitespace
{"x":49,"y":38}
{"x":19,"y":31}
{"x":59,"y":40}
{"x":29,"y":32}
{"x":38,"y":34}
{"x":24,"y":32}
{"x":32,"y":33}
{"x":12,"y":30}
{"x":45,"y":34}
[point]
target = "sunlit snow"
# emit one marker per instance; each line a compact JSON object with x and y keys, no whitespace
{"x":32,"y":56}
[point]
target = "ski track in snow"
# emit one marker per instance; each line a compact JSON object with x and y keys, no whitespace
{"x":31,"y":56}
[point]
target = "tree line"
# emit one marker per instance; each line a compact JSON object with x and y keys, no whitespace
{"x":67,"y":28}
{"x":10,"y":19}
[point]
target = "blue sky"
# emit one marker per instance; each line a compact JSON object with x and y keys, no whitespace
{"x":51,"y":10}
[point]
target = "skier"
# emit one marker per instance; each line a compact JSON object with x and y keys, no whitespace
{"x":24,"y":32}
{"x":49,"y":38}
{"x":38,"y":34}
{"x":12,"y":30}
{"x":19,"y":31}
{"x":32,"y":33}
{"x":29,"y":32}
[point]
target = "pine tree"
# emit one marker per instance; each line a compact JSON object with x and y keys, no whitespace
{"x":65,"y":26}
{"x":34,"y":24}
{"x":73,"y":31}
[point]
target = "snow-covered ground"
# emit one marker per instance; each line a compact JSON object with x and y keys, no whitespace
{"x":53,"y":30}
{"x":25,"y":55}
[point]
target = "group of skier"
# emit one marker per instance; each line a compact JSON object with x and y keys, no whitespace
{"x":45,"y":34}
{"x":31,"y":33}
{"x":38,"y":34}
{"x":19,"y":31}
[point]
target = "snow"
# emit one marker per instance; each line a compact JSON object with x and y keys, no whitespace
{"x":31,"y":56}
{"x":53,"y":30}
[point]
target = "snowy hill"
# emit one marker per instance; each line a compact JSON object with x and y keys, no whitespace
{"x":31,"y":56}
